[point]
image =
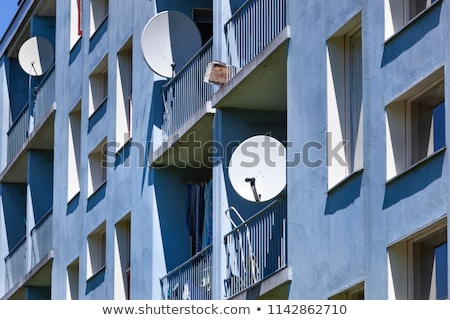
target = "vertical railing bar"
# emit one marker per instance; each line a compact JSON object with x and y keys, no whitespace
{"x":251,"y":29}
{"x":188,"y":93}
{"x":267,"y":234}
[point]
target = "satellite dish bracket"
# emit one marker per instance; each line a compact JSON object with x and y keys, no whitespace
{"x":253,"y":186}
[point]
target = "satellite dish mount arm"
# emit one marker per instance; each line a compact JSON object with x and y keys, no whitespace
{"x":253,"y":186}
{"x":173,"y":65}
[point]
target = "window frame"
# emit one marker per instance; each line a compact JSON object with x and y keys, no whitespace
{"x":409,"y":119}
{"x":124,"y":105}
{"x":406,"y":268}
{"x":99,"y":12}
{"x":97,"y":169}
{"x":96,"y":251}
{"x":399,"y":128}
{"x":343,"y":133}
{"x":74,"y":152}
{"x":352,"y":150}
{"x":98,"y":86}
{"x":396,"y":21}
{"x":413,"y":260}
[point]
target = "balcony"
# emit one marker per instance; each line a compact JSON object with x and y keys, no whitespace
{"x":31,"y":131}
{"x":19,"y":274}
{"x":191,"y":280}
{"x":256,"y":253}
{"x":16,"y":263}
{"x":256,"y":39}
{"x":188,"y":114}
{"x":42,"y":238}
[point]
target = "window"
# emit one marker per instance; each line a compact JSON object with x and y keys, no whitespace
{"x":98,"y":82}
{"x":124,"y":101}
{"x":203,"y":18}
{"x":74,"y":152}
{"x":415,"y":125}
{"x":418,"y":265}
{"x":97,"y":168}
{"x":73,"y":274}
{"x":354,"y":293}
{"x":99,"y":11}
{"x":345,"y":96}
{"x":122,"y":258}
{"x":96,"y":255}
{"x":75,"y":22}
{"x":399,"y":12}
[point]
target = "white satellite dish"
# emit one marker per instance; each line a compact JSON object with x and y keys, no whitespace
{"x":169,"y":40}
{"x":257,"y":168}
{"x":36,"y":56}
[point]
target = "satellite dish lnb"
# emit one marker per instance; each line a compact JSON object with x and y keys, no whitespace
{"x":36,"y":56}
{"x":169,"y":40}
{"x":257,"y":168}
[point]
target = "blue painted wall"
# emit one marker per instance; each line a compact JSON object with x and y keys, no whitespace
{"x":182,"y":6}
{"x":14,"y":210}
{"x":40,"y":180}
{"x":18,"y":82}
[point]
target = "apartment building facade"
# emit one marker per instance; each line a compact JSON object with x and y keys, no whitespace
{"x":115,"y":181}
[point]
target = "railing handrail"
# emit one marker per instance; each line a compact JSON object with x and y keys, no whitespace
{"x":16,"y":247}
{"x":44,"y":218}
{"x":238,"y":12}
{"x":18,"y":118}
{"x":279,"y":199}
{"x":205,"y":47}
{"x":44,"y":78}
{"x":187,"y":262}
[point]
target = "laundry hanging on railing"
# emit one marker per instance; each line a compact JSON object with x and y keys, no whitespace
{"x":207,"y":225}
{"x":199,"y":215}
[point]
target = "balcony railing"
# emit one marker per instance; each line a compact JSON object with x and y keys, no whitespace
{"x":257,"y":248}
{"x":20,"y":129}
{"x":251,"y":29}
{"x":45,"y":96}
{"x":191,"y":280}
{"x":187,"y":93}
{"x":41,"y":238}
{"x":18,"y":132}
{"x":16,"y":264}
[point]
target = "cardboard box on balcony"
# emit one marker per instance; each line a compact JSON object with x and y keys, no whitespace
{"x":217,"y":73}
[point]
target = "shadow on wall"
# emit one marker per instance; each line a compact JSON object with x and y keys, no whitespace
{"x":73,"y":204}
{"x":414,"y":180}
{"x":75,"y":51}
{"x":95,"y":281}
{"x":96,"y":197}
{"x":171,"y":191}
{"x":342,"y":197}
{"x":14,"y":210}
{"x":97,"y":115}
{"x":155,"y":121}
{"x":410,"y":35}
{"x":98,"y":35}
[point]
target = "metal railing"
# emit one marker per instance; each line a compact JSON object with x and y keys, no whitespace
{"x":187,"y":93}
{"x":18,"y":132}
{"x":45,"y":96}
{"x":257,"y":248}
{"x":16,"y":264}
{"x":20,"y":129}
{"x":251,"y":29}
{"x":42,"y":238}
{"x":191,"y":280}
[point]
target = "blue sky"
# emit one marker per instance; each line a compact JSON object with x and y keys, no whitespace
{"x":7,"y":10}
